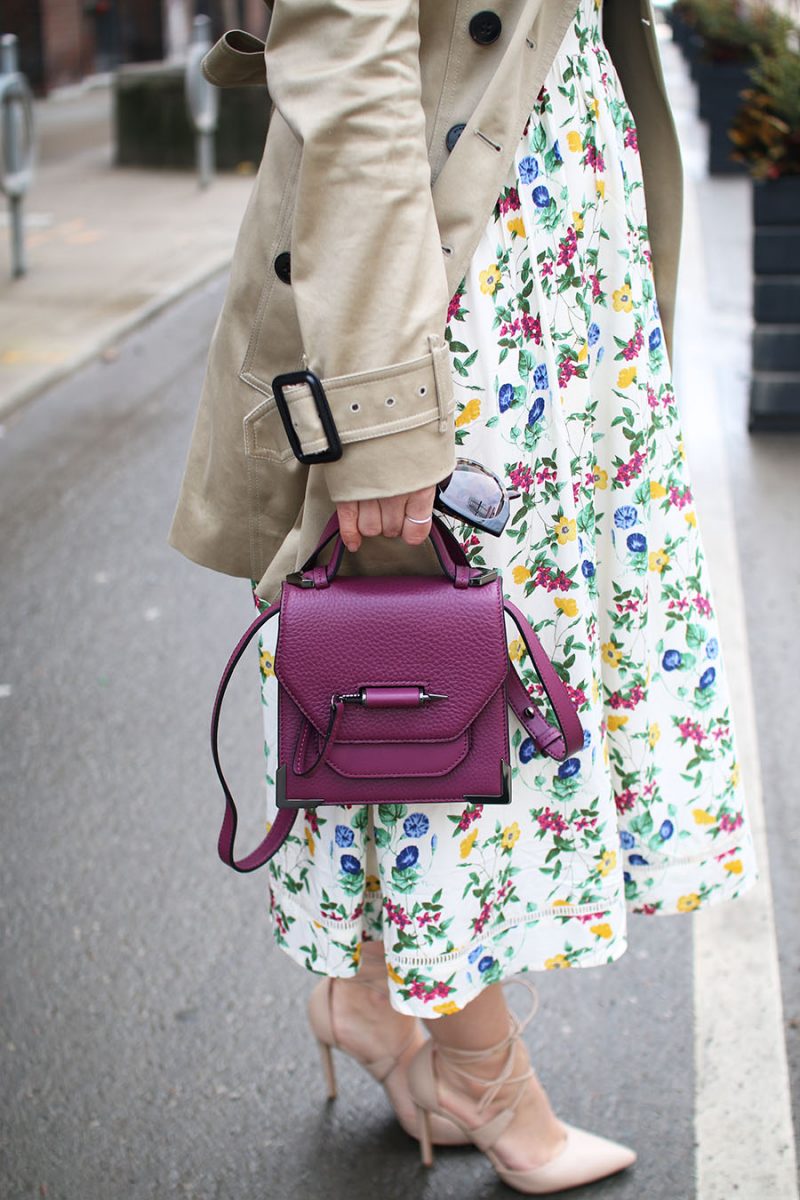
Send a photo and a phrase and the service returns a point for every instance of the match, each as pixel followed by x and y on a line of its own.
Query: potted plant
pixel 726 37
pixel 766 139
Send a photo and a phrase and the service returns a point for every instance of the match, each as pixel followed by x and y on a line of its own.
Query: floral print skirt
pixel 564 391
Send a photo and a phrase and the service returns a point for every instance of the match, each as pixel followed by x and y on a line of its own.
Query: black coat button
pixel 484 28
pixel 283 266
pixel 453 134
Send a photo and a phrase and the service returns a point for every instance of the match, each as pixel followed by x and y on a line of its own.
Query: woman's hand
pixel 387 515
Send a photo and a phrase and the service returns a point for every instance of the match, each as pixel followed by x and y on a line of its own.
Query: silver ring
pixel 417 521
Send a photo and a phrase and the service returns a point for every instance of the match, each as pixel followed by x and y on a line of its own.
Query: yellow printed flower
pixel 357 954
pixel 603 931
pixel 595 106
pixel 372 883
pixel 318 924
pixel 622 300
pixel 691 519
pixel 607 862
pixel 566 530
pixel 310 841
pixel 611 654
pixel 470 412
pixel 510 836
pixel 520 574
pixel 681 448
pixel 559 903
pixel 600 185
pixel 516 649
pixel 516 225
pixel 600 478
pixel 490 279
pixel 595 690
pixel 566 605
pixel 447 1009
pixel 653 734
pixel 657 560
pixel 574 141
pixel 577 222
pixel 703 817
pixel 657 490
pixel 556 963
pixel 689 902
pixel 583 352
pixel 736 774
pixel 734 866
pixel 467 843
pixel 616 721
pixel 266 664
pixel 626 377
pixel 390 971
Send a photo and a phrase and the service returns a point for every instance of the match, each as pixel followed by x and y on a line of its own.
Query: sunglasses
pixel 476 496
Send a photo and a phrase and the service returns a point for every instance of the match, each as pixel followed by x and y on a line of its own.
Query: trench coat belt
pixel 236 60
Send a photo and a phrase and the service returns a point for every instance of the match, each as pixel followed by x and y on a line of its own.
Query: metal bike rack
pixel 202 100
pixel 16 145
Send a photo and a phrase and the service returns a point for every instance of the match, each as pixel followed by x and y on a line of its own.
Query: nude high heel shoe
pixel 583 1158
pixel 441 1130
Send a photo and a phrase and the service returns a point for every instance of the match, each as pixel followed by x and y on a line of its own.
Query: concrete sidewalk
pixel 106 247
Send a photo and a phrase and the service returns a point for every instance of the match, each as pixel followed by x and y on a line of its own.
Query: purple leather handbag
pixel 396 688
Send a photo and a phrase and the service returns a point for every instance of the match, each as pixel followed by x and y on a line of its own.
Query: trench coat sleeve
pixel 367 266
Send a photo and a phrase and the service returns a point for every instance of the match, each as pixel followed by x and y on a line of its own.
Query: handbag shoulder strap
pixel 282 825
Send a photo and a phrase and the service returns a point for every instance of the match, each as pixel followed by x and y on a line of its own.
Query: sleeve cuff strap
pixel 373 404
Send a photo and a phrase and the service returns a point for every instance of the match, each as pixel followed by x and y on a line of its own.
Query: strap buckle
pixel 334 448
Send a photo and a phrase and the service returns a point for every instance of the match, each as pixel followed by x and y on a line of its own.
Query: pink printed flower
pixel 551 820
pixel 454 306
pixel 728 823
pixel 468 816
pixel 625 800
pixel 483 917
pixel 576 695
pixel 594 158
pixel 547 267
pixel 566 370
pixel 510 202
pixel 396 914
pixel 652 399
pixel 510 330
pixel 692 731
pixel 521 477
pixel 630 138
pixel 546 474
pixel 629 470
pixel 631 350
pixel 596 290
pixel 567 247
pixel 680 499
pixel 532 328
pixel 702 605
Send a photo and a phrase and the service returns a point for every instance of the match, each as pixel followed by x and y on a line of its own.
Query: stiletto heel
pixel 425 1140
pixel 582 1158
pixel 328 1070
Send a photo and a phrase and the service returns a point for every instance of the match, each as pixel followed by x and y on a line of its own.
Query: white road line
pixel 743 1119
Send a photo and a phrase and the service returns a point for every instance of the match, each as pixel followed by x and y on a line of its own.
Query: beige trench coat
pixel 360 227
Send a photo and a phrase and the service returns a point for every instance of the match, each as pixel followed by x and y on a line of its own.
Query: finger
pixel 347 511
pixel 369 518
pixel 419 506
pixel 392 514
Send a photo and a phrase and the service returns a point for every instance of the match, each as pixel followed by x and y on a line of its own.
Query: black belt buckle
pixel 334 450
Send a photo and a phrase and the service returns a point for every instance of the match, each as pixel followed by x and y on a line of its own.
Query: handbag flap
pixel 399 630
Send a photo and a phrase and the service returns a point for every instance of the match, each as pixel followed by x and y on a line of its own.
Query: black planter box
pixel 152 126
pixel 719 89
pixel 775 386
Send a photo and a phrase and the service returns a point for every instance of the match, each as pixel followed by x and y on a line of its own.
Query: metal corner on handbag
pixel 282 800
pixel 505 784
pixel 487 576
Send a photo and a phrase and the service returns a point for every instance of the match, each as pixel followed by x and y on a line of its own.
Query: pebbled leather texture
pixel 388 640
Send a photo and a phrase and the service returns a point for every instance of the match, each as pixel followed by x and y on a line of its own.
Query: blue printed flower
pixel 485 963
pixel 473 954
pixel 569 768
pixel 707 678
pixel 667 829
pixel 527 750
pixel 406 858
pixel 434 843
pixel 587 569
pixel 626 840
pixel 636 860
pixel 654 341
pixel 601 353
pixel 625 516
pixel 672 660
pixel 416 825
pixel 536 410
pixel 587 738
pixel 528 169
pixel 626 875
pixel 637 543
pixel 593 333
pixel 541 196
pixel 540 378
pixel 557 151
pixel 712 648
pixel 505 397
pixel 344 835
pixel 349 864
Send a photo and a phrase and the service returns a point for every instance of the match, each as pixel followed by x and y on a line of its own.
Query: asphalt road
pixel 153 1040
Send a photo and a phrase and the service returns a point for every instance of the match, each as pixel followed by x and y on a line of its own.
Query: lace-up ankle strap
pixel 455 1056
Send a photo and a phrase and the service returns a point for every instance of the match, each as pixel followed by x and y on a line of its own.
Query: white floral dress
pixel 565 392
